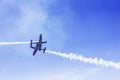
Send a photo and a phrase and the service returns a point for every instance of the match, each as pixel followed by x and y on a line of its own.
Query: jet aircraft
pixel 38 45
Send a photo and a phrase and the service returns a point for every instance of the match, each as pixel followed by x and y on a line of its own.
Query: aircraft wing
pixel 40 38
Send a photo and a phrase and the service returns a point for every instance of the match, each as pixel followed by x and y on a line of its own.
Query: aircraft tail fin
pixel 44 50
pixel 30 43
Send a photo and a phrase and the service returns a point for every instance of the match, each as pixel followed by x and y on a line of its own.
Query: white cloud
pixel 33 18
pixel 50 75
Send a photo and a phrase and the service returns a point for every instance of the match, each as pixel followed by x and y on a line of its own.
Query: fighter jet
pixel 38 45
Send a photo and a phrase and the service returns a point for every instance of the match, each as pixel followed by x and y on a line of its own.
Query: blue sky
pixel 90 28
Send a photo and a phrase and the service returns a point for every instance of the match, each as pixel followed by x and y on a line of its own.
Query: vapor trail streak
pixel 13 43
pixel 81 58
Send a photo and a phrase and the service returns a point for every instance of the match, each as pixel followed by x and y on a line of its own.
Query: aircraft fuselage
pixel 38 45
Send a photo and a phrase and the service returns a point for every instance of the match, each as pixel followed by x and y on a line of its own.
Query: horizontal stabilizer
pixel 44 42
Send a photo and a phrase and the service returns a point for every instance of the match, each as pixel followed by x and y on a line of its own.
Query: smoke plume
pixel 81 58
pixel 73 56
pixel 15 43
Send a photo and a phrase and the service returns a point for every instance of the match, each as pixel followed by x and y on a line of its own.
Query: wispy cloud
pixel 28 19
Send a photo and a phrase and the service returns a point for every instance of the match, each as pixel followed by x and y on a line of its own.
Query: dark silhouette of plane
pixel 38 45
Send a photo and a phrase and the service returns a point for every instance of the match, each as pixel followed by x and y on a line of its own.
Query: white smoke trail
pixel 13 43
pixel 81 58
